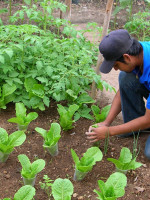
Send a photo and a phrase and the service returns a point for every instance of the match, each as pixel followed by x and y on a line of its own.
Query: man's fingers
pixel 90 133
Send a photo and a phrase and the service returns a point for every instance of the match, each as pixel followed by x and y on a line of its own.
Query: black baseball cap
pixel 113 46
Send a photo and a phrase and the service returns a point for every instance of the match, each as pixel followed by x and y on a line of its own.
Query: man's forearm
pixel 115 108
pixel 132 126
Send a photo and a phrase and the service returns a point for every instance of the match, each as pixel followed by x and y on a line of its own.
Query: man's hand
pixel 96 134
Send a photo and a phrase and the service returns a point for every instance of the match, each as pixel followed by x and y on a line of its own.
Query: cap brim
pixel 106 66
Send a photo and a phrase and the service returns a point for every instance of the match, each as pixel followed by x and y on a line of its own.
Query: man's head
pixel 113 47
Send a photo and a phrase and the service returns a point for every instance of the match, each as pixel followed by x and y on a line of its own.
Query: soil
pixel 62 165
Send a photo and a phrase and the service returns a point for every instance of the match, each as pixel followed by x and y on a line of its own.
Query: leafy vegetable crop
pixel 66 115
pixel 52 136
pixel 8 142
pixel 113 188
pixel 100 115
pixel 26 192
pixel 21 117
pixel 62 189
pixel 125 161
pixel 89 159
pixel 30 170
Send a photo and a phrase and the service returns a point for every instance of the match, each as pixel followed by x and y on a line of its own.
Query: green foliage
pixel 26 192
pixel 8 142
pixel 28 60
pixel 113 188
pixel 6 94
pixel 100 115
pixel 66 115
pixel 29 170
pixel 62 189
pixel 139 26
pixel 21 117
pixel 52 136
pixel 89 159
pixel 46 185
pixel 125 161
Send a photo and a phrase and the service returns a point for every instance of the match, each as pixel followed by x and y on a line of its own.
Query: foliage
pixel 113 188
pixel 29 170
pixel 46 185
pixel 21 117
pixel 52 136
pixel 6 94
pixel 8 142
pixel 125 161
pixel 100 115
pixel 89 159
pixel 62 189
pixel 26 192
pixel 39 78
pixel 139 26
pixel 66 115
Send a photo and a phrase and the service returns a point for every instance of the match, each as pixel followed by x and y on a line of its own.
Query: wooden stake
pixel 67 15
pixel 105 30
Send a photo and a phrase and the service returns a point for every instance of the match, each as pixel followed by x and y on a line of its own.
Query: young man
pixel 132 58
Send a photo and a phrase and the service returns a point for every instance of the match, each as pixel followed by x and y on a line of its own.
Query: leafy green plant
pixel 23 119
pixel 46 185
pixel 113 188
pixel 51 137
pixel 100 115
pixel 62 189
pixel 6 94
pixel 139 26
pixel 30 170
pixel 9 142
pixel 89 159
pixel 66 115
pixel 125 161
pixel 26 192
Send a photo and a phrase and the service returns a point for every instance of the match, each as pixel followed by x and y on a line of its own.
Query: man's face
pixel 126 67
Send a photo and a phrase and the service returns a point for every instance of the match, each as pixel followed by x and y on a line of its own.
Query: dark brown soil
pixel 62 166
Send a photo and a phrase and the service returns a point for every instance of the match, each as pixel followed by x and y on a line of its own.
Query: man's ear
pixel 127 57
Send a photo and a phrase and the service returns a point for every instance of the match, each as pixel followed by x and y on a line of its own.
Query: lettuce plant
pixel 23 119
pixel 8 142
pixel 113 188
pixel 51 137
pixel 100 115
pixel 26 192
pixel 30 170
pixel 62 189
pixel 6 94
pixel 89 159
pixel 125 161
pixel 66 116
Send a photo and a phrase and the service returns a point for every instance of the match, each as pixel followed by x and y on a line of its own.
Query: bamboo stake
pixel 68 10
pixel 105 30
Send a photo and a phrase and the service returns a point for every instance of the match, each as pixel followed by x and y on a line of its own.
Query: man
pixel 132 58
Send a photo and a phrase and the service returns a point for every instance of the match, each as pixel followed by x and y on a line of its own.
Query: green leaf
pixel 2 60
pixel 53 135
pixel 31 116
pixel 26 192
pixel 16 138
pixel 9 52
pixel 37 166
pixel 85 98
pixel 62 189
pixel 20 110
pixel 29 82
pixel 8 89
pixel 3 136
pixel 42 132
pixel 25 163
pixel 75 157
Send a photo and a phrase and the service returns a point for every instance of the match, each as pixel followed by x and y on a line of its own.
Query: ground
pixel 62 165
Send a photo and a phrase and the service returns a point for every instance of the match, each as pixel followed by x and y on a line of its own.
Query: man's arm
pixel 137 124
pixel 115 109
